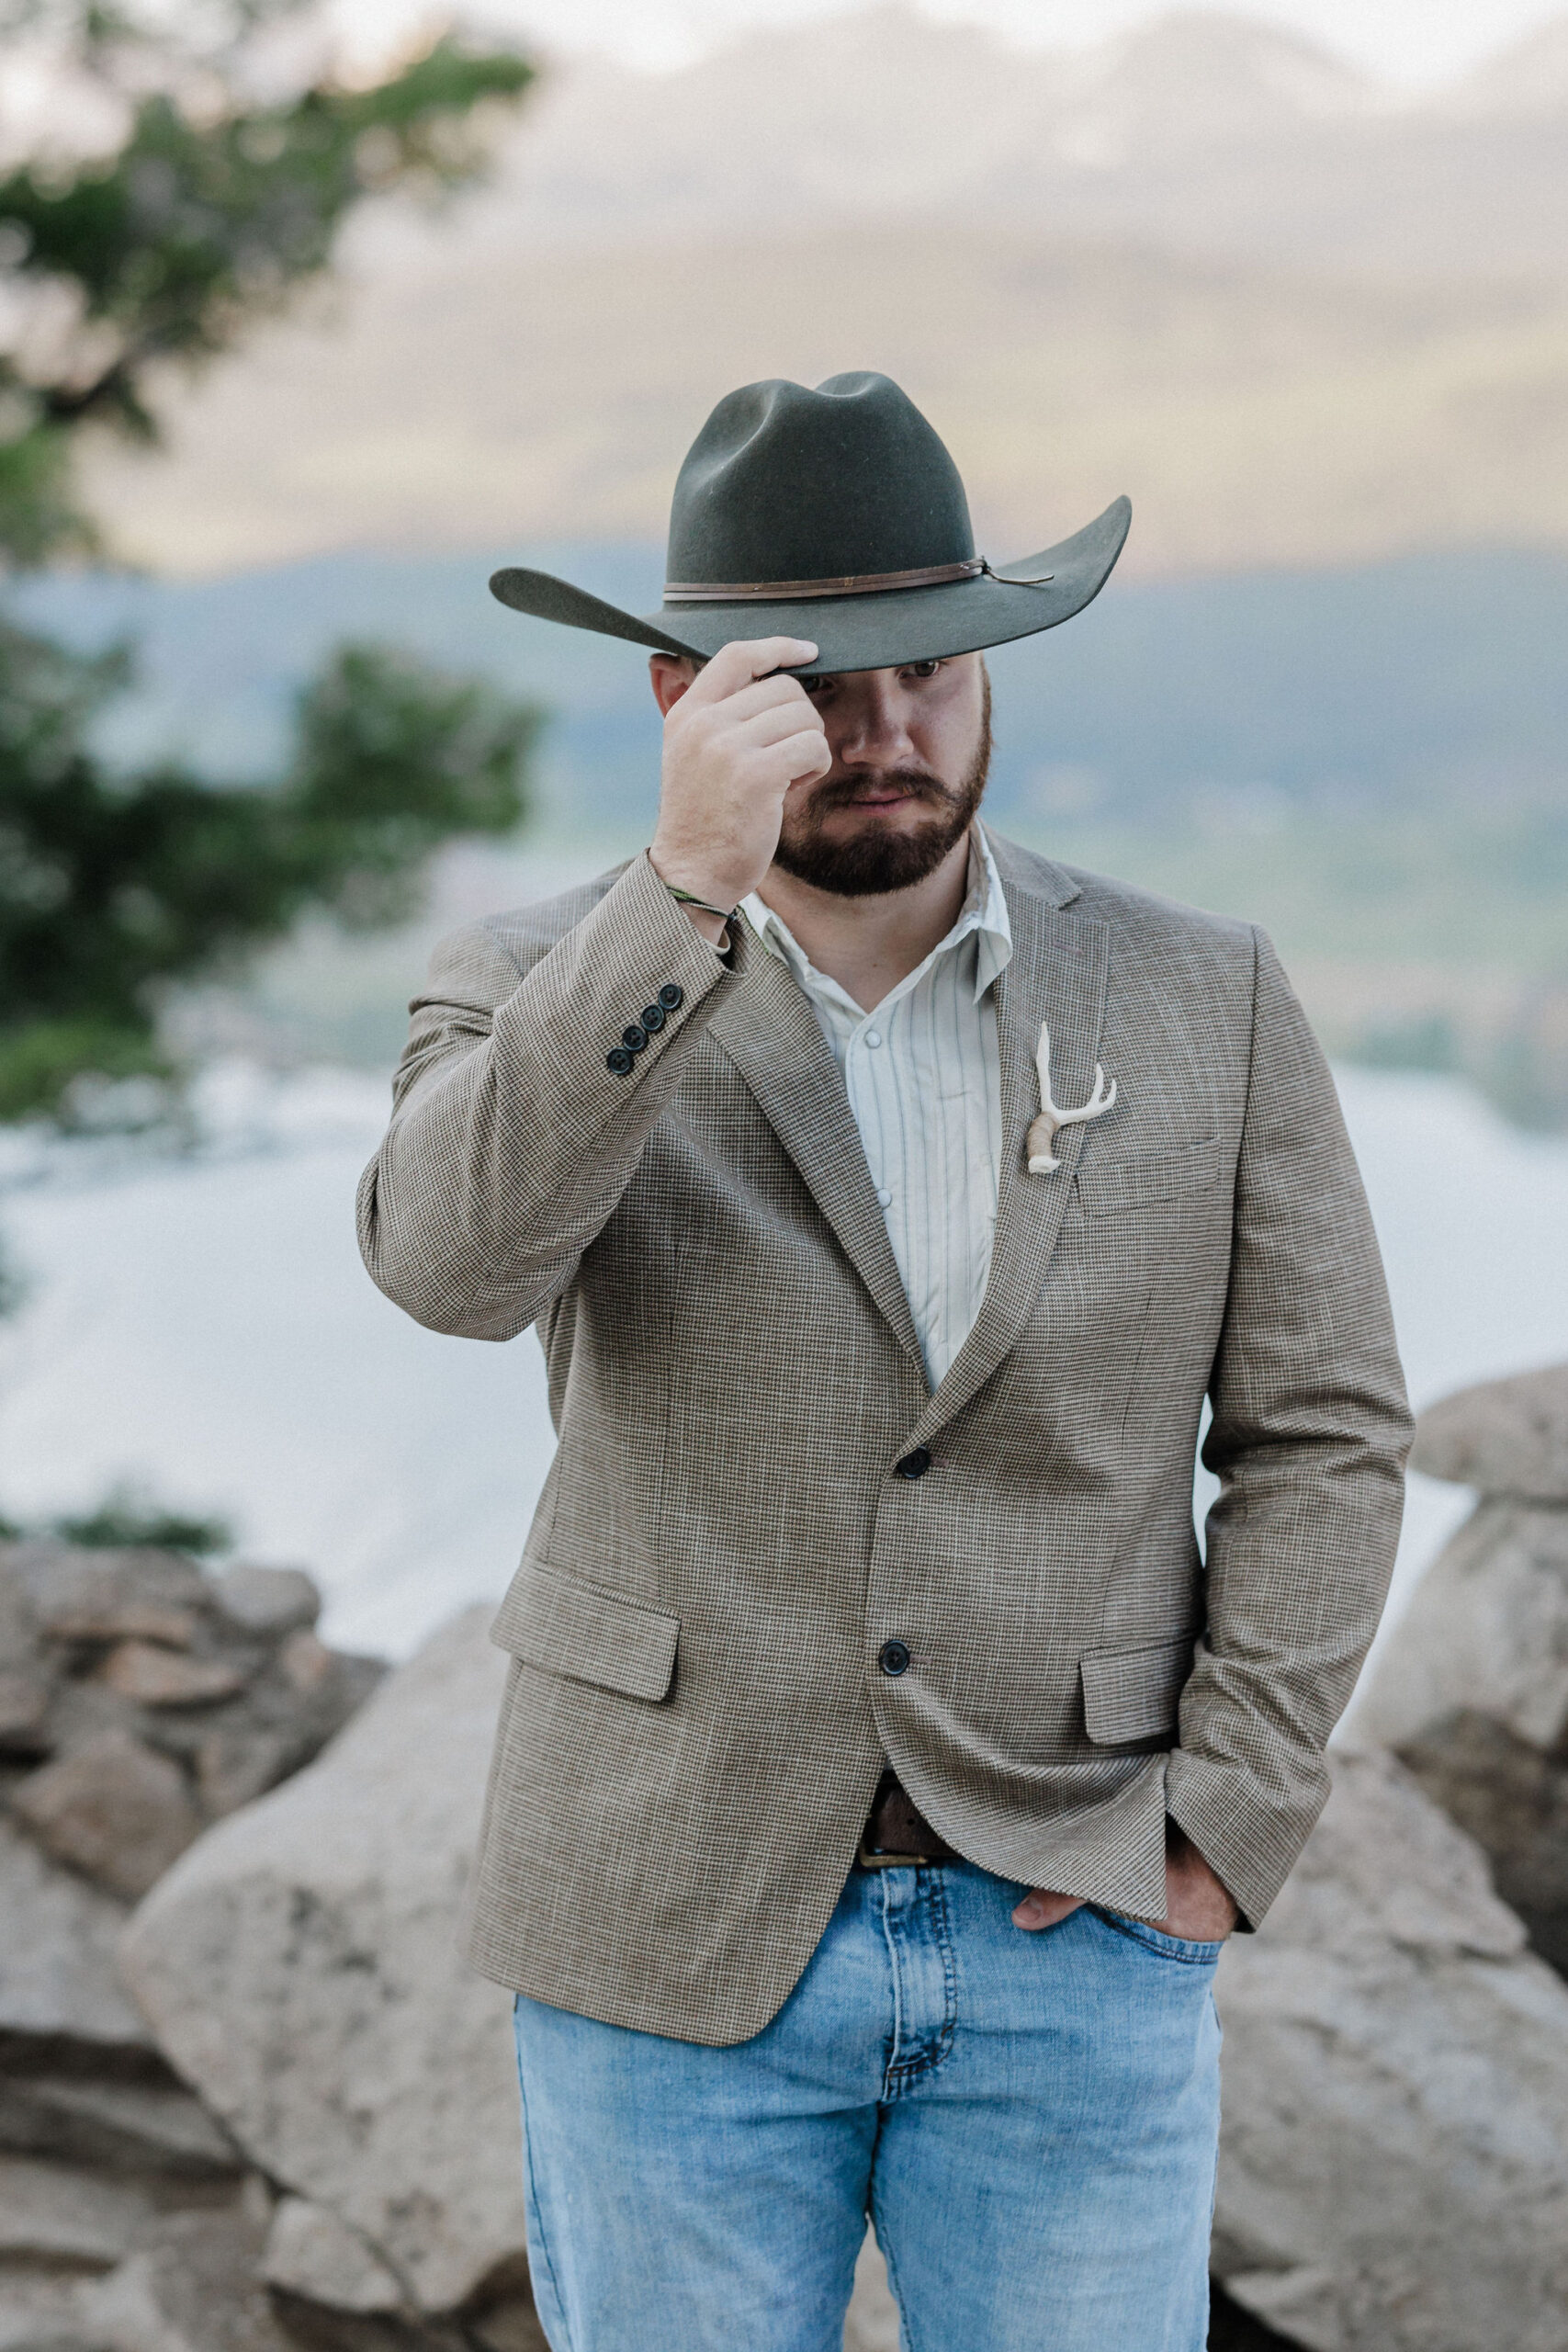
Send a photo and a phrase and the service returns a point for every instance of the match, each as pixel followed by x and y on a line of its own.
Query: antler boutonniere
pixel 1043 1132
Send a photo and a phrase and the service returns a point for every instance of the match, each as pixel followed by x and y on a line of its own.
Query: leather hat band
pixel 860 583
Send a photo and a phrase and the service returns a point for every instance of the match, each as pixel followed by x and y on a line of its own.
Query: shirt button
pixel 671 997
pixel 874 1036
pixel 893 1657
pixel 915 1465
pixel 885 1196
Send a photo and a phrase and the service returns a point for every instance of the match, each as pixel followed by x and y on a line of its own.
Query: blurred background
pixel 308 318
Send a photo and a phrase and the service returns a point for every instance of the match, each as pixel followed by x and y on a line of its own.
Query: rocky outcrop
pixel 1472 1687
pixel 373 2079
pixel 1393 2172
pixel 140 1699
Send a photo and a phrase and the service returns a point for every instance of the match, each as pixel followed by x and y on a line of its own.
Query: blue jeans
pixel 1029 2119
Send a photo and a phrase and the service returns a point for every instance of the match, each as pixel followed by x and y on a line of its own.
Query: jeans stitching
pixel 534 2197
pixel 1200 1952
pixel 891 2066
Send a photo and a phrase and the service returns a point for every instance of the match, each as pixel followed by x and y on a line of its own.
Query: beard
pixel 875 859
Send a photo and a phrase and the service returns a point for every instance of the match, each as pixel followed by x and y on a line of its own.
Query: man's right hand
pixel 735 740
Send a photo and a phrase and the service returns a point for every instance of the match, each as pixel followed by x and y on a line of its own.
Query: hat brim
pixel 876 631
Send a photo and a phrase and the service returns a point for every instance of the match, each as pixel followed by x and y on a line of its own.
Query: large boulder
pixel 300 1966
pixel 61 1997
pixel 1393 2172
pixel 1502 1437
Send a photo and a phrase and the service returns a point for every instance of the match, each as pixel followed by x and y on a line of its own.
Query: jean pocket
pixel 1188 1948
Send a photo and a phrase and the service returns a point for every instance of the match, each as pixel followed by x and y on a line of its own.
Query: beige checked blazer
pixel 696 1718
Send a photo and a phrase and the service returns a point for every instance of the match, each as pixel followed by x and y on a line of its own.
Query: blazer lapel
pixel 770 1032
pixel 1058 974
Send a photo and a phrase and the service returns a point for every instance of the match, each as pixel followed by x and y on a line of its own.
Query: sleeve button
pixel 671 997
pixel 618 1060
pixel 633 1038
pixel 652 1018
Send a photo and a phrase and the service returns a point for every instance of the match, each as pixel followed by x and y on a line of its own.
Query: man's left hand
pixel 1197 1907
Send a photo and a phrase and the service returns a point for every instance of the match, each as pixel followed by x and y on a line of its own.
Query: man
pixel 881 1769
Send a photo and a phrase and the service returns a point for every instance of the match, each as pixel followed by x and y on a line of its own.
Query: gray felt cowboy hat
pixel 837 515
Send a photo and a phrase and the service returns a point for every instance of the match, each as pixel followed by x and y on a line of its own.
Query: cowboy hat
pixel 839 517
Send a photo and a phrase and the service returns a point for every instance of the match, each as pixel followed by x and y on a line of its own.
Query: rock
pixel 1513 1800
pixel 191 2287
pixel 873 2321
pixel 374 2073
pixel 81 1594
pixel 306 1662
pixel 24 1710
pixel 59 2215
pixel 1393 2166
pixel 61 1994
pixel 148 2128
pixel 1505 1437
pixel 160 1677
pixel 267 1600
pixel 311 2252
pixel 114 1810
pixel 1485 1632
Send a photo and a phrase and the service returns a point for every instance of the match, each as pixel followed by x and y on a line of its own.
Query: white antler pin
pixel 1043 1132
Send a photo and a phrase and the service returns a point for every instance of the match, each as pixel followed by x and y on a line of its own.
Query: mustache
pixel 846 792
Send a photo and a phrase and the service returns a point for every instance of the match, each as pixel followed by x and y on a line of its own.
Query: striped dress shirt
pixel 923 1075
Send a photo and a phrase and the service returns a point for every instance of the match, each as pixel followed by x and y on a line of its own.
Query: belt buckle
pixel 873 1858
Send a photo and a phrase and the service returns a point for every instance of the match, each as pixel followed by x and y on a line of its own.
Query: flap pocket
pixel 1133 1694
pixel 1108 1183
pixel 568 1627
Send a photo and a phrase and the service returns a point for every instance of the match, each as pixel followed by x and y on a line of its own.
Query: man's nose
pixel 874 729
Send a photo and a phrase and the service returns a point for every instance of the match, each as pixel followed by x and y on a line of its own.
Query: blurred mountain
pixel 1208 265
pixel 1205 131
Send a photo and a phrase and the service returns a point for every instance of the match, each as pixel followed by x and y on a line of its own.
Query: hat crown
pixel 785 483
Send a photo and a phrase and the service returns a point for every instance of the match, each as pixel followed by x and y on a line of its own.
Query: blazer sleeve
pixel 1308 1439
pixel 512 1140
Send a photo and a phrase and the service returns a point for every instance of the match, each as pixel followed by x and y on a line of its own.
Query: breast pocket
pixel 1134 1694
pixel 1141 1179
pixel 565 1626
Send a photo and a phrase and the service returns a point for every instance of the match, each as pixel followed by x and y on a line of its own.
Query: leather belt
pixel 896 1834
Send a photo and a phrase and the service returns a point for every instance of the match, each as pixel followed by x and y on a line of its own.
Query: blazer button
pixel 915 1465
pixel 618 1060
pixel 634 1039
pixel 671 997
pixel 893 1657
pixel 652 1018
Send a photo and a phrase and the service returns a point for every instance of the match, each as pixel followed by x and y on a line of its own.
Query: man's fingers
pixel 1044 1908
pixel 744 660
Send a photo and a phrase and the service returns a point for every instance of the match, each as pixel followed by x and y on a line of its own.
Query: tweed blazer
pixel 695 1717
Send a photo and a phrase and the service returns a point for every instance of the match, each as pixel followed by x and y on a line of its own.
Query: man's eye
pixel 924 669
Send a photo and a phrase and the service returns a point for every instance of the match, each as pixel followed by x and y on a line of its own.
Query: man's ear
pixel 670 675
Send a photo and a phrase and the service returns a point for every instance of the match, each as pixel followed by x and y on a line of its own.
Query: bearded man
pixel 882 1766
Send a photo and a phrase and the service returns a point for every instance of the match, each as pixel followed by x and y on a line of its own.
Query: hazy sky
pixel 1413 42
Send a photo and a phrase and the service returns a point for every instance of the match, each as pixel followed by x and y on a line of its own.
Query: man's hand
pixel 1197 1907
pixel 734 742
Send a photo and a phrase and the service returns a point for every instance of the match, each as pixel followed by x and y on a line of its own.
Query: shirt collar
pixel 983 917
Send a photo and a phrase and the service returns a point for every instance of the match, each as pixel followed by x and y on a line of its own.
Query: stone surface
pixel 1485 1632
pixel 58 2214
pixel 310 2251
pixel 1505 1437
pixel 61 1992
pixel 873 2321
pixel 24 1710
pixel 267 1600
pixel 192 2286
pixel 374 2074
pixel 144 2128
pixel 161 1678
pixel 1513 1800
pixel 1394 2169
pixel 114 1810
